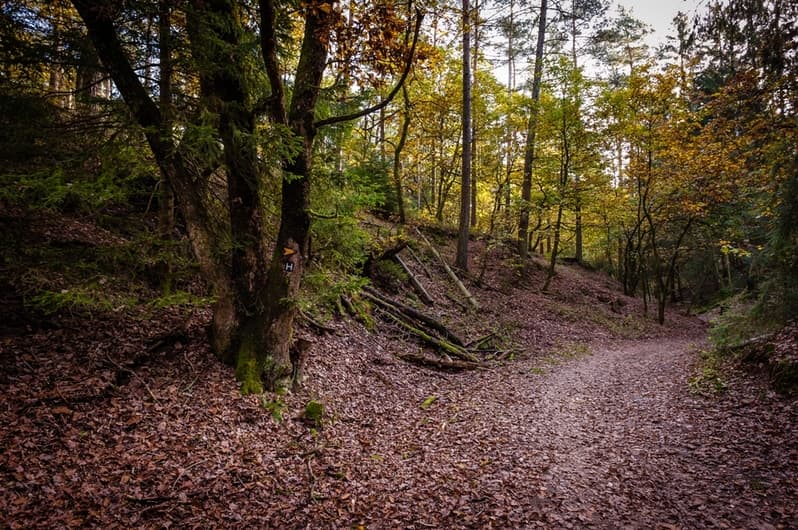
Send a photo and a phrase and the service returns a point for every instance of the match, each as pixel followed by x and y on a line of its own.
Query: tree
pixel 397 157
pixel 532 123
pixel 574 149
pixel 461 260
pixel 746 87
pixel 258 130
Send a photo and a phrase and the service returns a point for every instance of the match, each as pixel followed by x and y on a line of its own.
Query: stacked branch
pixel 417 286
pixel 472 302
pixel 451 348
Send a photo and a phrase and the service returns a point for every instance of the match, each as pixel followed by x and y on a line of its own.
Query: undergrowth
pixel 709 380
pixel 742 333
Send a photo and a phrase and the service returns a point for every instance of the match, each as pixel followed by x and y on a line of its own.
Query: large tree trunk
pixel 215 31
pixel 275 333
pixel 186 177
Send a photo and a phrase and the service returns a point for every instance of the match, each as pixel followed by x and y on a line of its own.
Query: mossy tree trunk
pixel 255 295
pixel 287 262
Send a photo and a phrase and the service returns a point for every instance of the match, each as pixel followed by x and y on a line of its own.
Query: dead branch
pixel 477 343
pixel 471 300
pixel 441 344
pixel 443 364
pixel 418 260
pixel 422 293
pixel 413 314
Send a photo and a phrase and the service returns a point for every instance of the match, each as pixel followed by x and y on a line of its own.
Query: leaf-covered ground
pixel 597 419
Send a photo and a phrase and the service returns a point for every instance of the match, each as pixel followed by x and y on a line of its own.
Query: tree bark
pixel 166 202
pixel 186 175
pixel 532 124
pixel 461 260
pixel 579 252
pixel 474 153
pixel 272 358
pixel 555 248
pixel 397 160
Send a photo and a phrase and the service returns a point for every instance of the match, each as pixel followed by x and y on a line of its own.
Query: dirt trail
pixel 626 445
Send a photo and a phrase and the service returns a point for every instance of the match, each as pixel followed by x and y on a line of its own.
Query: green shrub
pixel 314 413
pixel 83 299
pixel 389 274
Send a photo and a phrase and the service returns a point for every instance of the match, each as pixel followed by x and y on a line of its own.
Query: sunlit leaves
pixel 370 45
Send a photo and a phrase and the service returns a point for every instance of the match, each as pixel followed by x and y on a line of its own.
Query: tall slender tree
pixel 532 125
pixel 465 174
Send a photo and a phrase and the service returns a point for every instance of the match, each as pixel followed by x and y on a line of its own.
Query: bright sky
pixel 659 14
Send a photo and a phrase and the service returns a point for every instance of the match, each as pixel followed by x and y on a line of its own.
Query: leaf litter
pixel 99 429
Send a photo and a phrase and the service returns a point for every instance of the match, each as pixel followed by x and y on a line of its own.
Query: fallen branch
pixel 442 344
pixel 413 314
pixel 753 342
pixel 425 297
pixel 360 316
pixel 439 363
pixel 475 344
pixel 471 300
pixel 421 263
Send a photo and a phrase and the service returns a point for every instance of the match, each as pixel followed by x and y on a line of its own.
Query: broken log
pixel 439 363
pixel 471 300
pixel 422 293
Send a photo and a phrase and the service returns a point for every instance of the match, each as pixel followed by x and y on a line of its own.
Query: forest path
pixel 610 438
pixel 625 444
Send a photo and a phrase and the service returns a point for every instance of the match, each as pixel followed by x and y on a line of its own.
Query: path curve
pixel 625 444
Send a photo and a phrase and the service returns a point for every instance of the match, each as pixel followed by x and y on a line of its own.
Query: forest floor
pixel 600 418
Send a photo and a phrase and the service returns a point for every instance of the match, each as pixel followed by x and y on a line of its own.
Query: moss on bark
pixel 248 369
